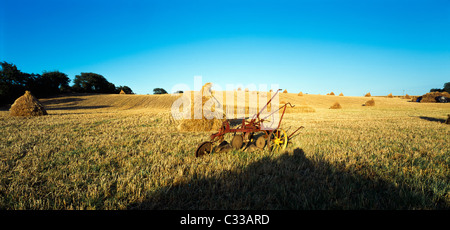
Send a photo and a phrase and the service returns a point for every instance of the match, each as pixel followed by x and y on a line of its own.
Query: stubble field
pixel 125 152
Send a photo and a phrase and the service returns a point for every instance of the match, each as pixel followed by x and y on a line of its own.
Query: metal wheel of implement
pixel 237 142
pixel 278 140
pixel 203 148
pixel 261 142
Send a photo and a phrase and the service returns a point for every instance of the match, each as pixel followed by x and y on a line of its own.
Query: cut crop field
pixel 126 152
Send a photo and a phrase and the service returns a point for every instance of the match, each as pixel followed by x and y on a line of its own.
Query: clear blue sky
pixel 313 46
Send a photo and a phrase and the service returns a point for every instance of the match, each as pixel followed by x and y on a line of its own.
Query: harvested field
pixel 125 152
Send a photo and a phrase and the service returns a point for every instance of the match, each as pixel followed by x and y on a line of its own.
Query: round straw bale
pixel 336 105
pixel 370 102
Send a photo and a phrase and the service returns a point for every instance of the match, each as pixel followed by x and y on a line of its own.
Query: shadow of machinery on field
pixel 290 181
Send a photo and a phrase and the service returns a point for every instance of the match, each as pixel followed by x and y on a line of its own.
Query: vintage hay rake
pixel 249 132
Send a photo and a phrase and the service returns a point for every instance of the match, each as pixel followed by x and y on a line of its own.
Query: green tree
pixel 447 87
pixel 13 83
pixel 55 81
pixel 159 91
pixel 48 84
pixel 92 83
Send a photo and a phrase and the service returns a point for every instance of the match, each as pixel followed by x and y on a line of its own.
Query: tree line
pixel 14 82
pixel 445 89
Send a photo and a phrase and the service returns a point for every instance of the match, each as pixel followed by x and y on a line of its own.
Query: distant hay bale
pixel 370 102
pixel 390 95
pixel 368 95
pixel 122 92
pixel 27 105
pixel 341 94
pixel 407 96
pixel 336 105
pixel 332 94
pixel 285 91
pixel 300 94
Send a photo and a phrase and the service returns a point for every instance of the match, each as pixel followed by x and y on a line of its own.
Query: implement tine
pixel 289 137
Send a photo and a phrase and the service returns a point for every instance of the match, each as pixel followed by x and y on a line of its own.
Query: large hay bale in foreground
pixel 336 105
pixel 203 123
pixel 27 105
pixel 200 125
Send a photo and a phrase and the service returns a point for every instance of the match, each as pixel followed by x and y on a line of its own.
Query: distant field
pixel 125 152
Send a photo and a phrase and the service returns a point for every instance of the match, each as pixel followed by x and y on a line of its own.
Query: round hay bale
pixel 300 94
pixel 332 94
pixel 341 94
pixel 285 91
pixel 27 105
pixel 390 95
pixel 368 95
pixel 122 92
pixel 336 105
pixel 370 102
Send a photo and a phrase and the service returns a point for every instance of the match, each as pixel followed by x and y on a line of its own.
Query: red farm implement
pixel 249 132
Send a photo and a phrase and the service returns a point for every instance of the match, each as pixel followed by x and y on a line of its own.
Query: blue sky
pixel 314 46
